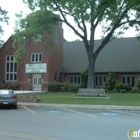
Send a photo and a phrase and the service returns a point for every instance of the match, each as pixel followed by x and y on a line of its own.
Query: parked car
pixel 8 98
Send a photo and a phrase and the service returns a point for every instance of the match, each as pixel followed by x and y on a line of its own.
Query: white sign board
pixel 36 68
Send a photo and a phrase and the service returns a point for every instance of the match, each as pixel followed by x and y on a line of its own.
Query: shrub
pixel 54 87
pixel 74 87
pixel 65 86
pixel 111 82
pixel 138 83
pixel 114 91
pixel 118 86
pixel 84 78
pixel 127 87
pixel 135 90
pixel 122 91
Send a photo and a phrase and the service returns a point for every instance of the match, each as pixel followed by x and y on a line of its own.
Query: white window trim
pixel 130 78
pixel 98 80
pixel 73 79
pixel 14 72
pixel 35 57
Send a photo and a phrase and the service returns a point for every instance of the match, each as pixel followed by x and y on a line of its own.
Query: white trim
pixel 36 55
pixel 11 74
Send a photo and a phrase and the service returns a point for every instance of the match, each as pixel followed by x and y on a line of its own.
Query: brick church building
pixel 38 67
pixel 65 61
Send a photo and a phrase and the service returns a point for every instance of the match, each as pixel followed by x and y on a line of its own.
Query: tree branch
pixel 107 38
pixel 65 21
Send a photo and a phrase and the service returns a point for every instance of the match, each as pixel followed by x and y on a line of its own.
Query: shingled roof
pixel 119 55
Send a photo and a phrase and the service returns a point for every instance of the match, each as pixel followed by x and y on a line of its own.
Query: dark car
pixel 8 98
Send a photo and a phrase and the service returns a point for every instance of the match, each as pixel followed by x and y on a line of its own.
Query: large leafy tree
pixel 35 26
pixel 3 18
pixel 114 16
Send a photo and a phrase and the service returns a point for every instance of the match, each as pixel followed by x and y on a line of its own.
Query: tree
pixel 3 18
pixel 35 26
pixel 114 16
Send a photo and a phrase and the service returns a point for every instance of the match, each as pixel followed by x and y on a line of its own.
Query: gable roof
pixel 119 55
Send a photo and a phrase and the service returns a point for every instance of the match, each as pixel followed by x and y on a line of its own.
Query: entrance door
pixel 37 82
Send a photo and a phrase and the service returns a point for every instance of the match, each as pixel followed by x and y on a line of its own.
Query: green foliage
pixel 3 18
pixel 120 87
pixel 84 78
pixel 54 87
pixel 36 26
pixel 111 82
pixel 114 16
pixel 63 87
pixel 112 85
pixel 135 90
pixel 138 83
pixel 74 87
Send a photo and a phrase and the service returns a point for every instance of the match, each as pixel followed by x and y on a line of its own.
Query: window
pixel 130 79
pixel 96 81
pixel 37 38
pixel 124 79
pixel 36 57
pixel 56 36
pixel 133 80
pixel 99 80
pixel 104 78
pixel 11 69
pixel 75 79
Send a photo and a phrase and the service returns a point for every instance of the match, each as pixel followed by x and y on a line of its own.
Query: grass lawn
pixel 126 99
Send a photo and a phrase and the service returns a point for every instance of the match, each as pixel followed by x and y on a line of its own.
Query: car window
pixel 6 92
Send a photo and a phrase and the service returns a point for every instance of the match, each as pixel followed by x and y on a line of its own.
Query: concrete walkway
pixel 100 107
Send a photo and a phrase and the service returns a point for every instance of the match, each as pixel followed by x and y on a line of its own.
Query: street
pixel 47 123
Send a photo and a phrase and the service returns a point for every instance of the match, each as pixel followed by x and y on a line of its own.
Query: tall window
pixel 99 80
pixel 36 57
pixel 11 68
pixel 56 35
pixel 75 79
pixel 130 79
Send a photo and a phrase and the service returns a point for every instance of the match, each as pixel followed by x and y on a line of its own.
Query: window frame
pixel 10 69
pixel 56 35
pixel 36 57
pixel 130 81
pixel 75 79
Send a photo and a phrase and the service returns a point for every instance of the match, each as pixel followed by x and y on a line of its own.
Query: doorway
pixel 37 82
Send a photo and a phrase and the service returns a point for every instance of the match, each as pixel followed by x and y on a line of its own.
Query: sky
pixel 15 6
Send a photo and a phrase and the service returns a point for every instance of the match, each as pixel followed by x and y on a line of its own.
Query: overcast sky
pixel 15 6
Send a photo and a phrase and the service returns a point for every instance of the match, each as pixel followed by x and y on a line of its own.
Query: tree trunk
pixel 91 70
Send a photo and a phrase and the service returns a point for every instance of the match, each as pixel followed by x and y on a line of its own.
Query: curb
pixel 100 107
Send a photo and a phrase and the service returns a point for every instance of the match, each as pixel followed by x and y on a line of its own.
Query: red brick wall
pixel 53 59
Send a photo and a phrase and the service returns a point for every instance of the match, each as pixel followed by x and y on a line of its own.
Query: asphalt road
pixel 66 124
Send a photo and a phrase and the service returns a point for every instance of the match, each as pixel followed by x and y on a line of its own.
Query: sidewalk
pixel 100 107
